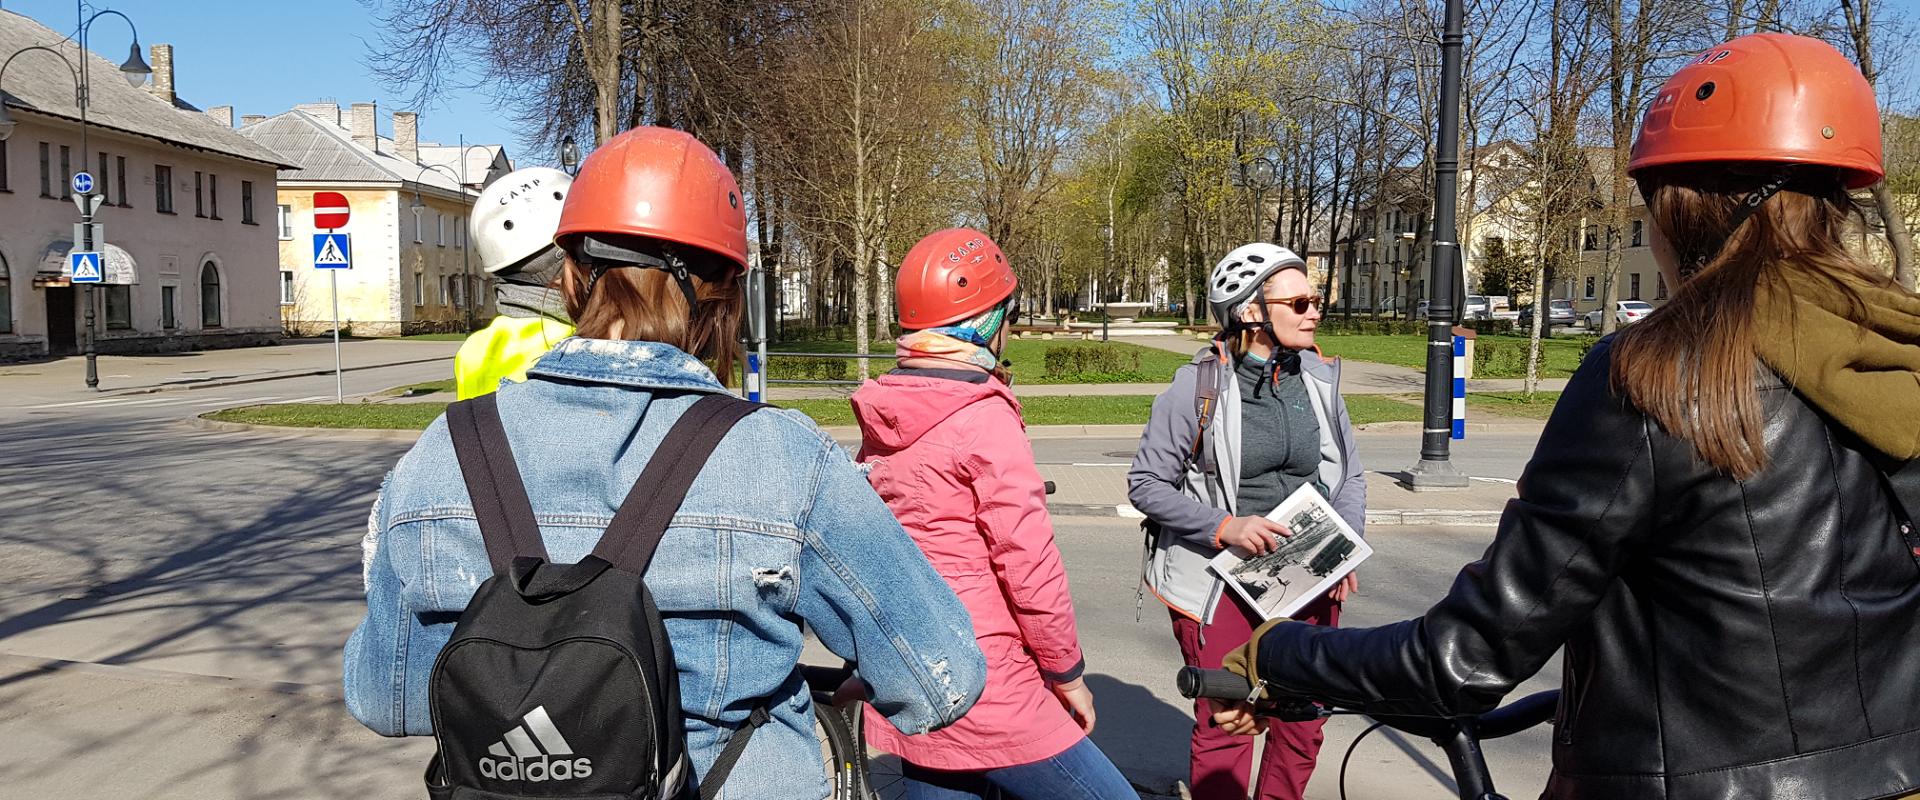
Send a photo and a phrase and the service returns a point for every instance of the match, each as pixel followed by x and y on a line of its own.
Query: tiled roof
pixel 37 82
pixel 325 152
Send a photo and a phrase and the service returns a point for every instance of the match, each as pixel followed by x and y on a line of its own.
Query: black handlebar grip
pixel 1213 684
pixel 1049 487
pixel 1518 715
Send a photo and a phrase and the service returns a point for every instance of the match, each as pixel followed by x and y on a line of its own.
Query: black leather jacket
pixel 1724 639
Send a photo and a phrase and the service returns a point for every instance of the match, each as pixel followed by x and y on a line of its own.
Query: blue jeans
pixel 1080 773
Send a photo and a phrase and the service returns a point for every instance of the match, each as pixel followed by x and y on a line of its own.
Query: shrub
pixel 1490 326
pixel 1074 360
pixel 1493 359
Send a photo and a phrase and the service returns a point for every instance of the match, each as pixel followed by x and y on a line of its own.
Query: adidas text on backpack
pixel 559 680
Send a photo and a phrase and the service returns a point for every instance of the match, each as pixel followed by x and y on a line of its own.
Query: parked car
pixel 1625 312
pixel 1560 314
pixel 1479 306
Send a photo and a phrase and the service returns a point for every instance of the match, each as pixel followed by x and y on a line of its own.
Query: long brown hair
pixel 647 305
pixel 1691 366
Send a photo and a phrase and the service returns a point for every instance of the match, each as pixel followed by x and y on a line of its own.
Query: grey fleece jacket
pixel 1187 507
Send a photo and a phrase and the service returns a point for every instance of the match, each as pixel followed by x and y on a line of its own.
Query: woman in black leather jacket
pixel 1708 525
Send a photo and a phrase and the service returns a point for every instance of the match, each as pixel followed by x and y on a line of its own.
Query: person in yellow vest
pixel 512 230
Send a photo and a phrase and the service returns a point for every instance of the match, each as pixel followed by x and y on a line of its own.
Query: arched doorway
pixel 209 295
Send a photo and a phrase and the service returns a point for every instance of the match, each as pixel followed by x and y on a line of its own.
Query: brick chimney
pixel 249 119
pixel 406 135
pixel 363 125
pixel 222 115
pixel 161 56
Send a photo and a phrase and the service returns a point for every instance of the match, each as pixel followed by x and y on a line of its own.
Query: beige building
pixel 188 212
pixel 413 271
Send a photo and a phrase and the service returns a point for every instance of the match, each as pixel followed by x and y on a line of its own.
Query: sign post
pixel 333 252
pixel 89 204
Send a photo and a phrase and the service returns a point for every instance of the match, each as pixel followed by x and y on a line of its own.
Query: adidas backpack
pixel 559 680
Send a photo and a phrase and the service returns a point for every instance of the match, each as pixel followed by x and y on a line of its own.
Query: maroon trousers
pixel 1223 762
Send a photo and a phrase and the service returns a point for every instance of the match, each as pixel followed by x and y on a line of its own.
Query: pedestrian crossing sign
pixel 85 266
pixel 331 251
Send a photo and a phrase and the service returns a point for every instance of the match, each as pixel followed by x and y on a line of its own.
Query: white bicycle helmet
pixel 1238 276
pixel 515 217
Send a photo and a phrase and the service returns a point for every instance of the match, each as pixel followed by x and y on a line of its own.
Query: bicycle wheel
pixel 841 755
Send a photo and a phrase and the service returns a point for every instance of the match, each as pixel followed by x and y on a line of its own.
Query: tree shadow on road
pixel 150 545
pixel 1146 737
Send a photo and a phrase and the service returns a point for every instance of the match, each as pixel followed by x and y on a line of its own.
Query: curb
pixel 215 383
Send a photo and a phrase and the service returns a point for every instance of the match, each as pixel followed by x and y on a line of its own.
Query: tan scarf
pixel 1864 374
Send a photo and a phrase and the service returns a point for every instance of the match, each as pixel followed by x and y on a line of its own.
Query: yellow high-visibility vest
pixel 503 351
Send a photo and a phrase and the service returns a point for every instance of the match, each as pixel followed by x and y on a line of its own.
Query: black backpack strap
pixel 736 744
pixel 1206 403
pixel 641 522
pixel 499 498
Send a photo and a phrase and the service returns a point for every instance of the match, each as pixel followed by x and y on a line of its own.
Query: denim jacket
pixel 780 529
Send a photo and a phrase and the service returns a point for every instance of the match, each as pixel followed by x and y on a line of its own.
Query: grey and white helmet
pixel 1238 276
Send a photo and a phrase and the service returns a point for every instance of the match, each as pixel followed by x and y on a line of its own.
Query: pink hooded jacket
pixel 951 459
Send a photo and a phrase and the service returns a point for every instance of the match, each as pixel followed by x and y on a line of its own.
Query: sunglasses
pixel 1298 304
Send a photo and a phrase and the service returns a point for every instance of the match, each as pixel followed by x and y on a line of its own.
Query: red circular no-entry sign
pixel 330 210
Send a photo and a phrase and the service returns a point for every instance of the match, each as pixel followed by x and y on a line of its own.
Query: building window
pixel 3 166
pixel 419 289
pixel 1589 294
pixel 416 227
pixel 66 171
pixel 286 287
pixel 169 317
pixel 6 298
pixel 106 186
pixel 213 196
pixel 209 296
pixel 163 189
pixel 46 175
pixel 246 203
pixel 200 208
pixel 286 223
pixel 439 229
pixel 460 232
pixel 1593 238
pixel 442 285
pixel 1660 286
pixel 120 175
pixel 119 307
pixel 1639 233
pixel 1633 283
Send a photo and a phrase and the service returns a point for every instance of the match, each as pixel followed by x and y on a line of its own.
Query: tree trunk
pixel 1860 26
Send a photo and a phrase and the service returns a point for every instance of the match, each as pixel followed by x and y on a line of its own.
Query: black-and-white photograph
pixel 1302 566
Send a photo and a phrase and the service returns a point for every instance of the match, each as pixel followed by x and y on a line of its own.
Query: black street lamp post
pixel 1435 469
pixel 466 262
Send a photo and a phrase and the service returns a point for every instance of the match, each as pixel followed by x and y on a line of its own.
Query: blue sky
pixel 264 56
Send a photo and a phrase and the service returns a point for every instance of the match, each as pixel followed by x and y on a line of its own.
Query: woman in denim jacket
pixel 779 529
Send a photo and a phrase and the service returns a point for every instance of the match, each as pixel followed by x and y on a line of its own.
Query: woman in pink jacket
pixel 949 454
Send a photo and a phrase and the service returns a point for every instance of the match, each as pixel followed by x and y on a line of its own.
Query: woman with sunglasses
pixel 1256 416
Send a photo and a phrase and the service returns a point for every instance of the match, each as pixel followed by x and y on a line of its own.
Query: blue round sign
pixel 83 183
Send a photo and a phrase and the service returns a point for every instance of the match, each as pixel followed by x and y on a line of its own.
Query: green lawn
pixel 1559 356
pixel 1029 358
pixel 385 416
pixel 1045 410
pixel 1512 404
